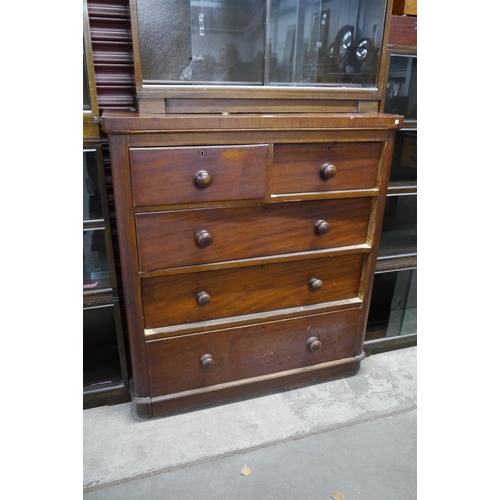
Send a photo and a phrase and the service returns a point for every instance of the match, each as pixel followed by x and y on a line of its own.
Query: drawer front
pixel 190 237
pixel 193 297
pixel 176 365
pixel 163 176
pixel 324 167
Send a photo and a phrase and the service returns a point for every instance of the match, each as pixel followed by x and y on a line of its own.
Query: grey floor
pixel 355 437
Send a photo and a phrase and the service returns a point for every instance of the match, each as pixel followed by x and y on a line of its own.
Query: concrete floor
pixel 356 436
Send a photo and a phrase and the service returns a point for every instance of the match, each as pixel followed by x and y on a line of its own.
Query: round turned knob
pixel 204 299
pixel 207 362
pixel 313 344
pixel 328 171
pixel 322 227
pixel 204 239
pixel 315 284
pixel 203 179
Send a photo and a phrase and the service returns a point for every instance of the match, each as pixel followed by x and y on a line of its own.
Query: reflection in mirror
pixel 260 42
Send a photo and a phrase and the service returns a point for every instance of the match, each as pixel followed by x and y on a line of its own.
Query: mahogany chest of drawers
pixel 248 245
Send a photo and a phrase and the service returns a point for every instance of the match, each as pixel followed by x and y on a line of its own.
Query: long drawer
pixel 202 296
pixel 198 174
pixel 299 168
pixel 201 360
pixel 190 237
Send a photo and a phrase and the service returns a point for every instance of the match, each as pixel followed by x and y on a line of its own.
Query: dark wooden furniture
pixel 105 372
pixel 248 245
pixel 392 320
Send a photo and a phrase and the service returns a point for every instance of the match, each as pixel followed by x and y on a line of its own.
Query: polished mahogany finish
pixel 227 355
pixel 176 299
pixel 195 174
pixel 403 32
pixel 248 245
pixel 190 237
pixel 327 167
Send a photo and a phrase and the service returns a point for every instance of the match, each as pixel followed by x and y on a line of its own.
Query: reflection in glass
pixel 403 319
pixel 101 357
pixel 404 159
pixel 399 228
pixel 92 203
pixel 401 94
pixel 95 261
pixel 259 42
pixel 393 307
pixel 86 84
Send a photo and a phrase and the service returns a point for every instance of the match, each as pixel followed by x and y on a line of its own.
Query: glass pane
pixel 399 229
pixel 261 42
pixel 92 203
pixel 403 317
pixel 332 43
pixel 404 159
pixel 101 357
pixel 393 308
pixel 401 94
pixel 409 324
pixel 86 84
pixel 95 261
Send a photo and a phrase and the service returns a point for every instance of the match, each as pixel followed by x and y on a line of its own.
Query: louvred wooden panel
pixel 111 36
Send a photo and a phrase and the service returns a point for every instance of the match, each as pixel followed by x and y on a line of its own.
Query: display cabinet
pixel 392 321
pixel 260 55
pixel 105 372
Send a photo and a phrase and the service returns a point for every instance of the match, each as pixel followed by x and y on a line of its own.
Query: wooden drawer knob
pixel 207 362
pixel 204 299
pixel 328 171
pixel 203 179
pixel 322 227
pixel 204 239
pixel 315 284
pixel 313 344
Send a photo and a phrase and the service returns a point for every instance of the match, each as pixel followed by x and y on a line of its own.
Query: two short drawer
pixel 201 360
pixel 203 174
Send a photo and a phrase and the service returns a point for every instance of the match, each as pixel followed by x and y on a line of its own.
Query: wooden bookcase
pixel 392 321
pixel 105 369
